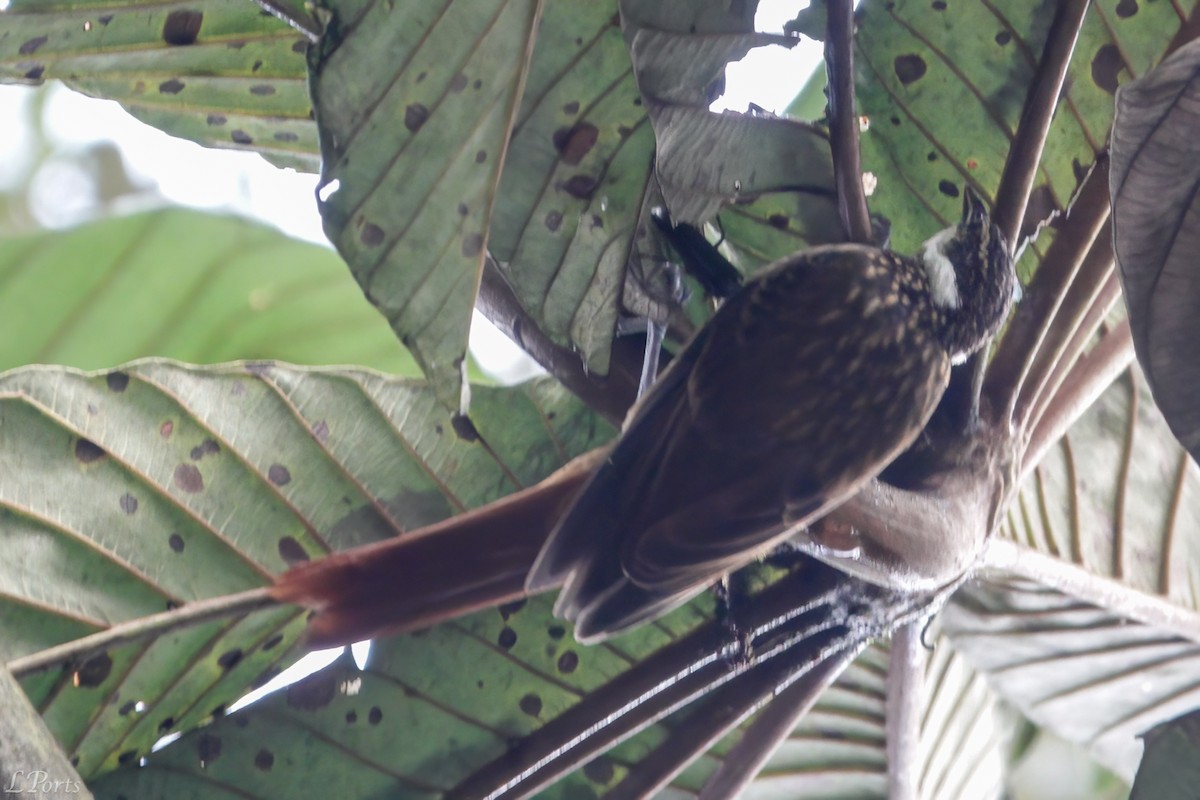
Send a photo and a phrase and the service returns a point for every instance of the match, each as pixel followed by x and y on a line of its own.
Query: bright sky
pixel 244 183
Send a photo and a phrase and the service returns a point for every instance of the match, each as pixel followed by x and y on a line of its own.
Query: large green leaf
pixel 126 493
pixel 223 73
pixel 188 285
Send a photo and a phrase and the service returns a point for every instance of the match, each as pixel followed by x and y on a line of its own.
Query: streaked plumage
pixel 802 387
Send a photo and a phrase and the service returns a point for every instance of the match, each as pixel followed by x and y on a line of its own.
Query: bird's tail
pixel 468 562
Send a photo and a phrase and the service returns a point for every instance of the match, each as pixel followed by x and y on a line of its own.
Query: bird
pixel 804 385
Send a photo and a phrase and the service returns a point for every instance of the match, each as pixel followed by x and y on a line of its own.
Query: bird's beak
pixel 974 209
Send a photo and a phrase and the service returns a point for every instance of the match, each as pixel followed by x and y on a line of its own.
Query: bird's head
pixel 971 278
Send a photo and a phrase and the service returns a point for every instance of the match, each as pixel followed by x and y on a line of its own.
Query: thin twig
pixel 310 26
pixel 1018 560
pixel 843 122
pixel 1087 380
pixel 196 613
pixel 905 704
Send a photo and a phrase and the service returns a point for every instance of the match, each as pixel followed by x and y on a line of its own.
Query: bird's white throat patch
pixel 943 281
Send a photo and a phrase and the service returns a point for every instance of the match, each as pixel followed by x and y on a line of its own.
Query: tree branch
pixel 195 613
pixel 1025 154
pixel 843 122
pixel 905 706
pixel 1018 560
pixel 1023 343
pixel 1086 381
pixel 610 396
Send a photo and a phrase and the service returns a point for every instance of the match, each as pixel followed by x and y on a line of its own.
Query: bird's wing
pixel 819 375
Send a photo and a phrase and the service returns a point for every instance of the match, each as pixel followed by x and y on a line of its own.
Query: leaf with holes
pixel 140 490
pixel 217 72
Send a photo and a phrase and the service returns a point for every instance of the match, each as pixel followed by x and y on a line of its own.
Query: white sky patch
pixel 771 76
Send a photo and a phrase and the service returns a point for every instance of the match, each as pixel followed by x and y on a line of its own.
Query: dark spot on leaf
pixel 779 221
pixel 117 381
pixel 216 119
pixel 88 451
pixel 481 157
pixel 262 89
pixel 75 763
pixel 1003 38
pixel 105 19
pixel 351 717
pixel 321 431
pixel 314 692
pixel 568 661
pixel 909 68
pixel 571 107
pixel 264 759
pixel 208 748
pixel 173 86
pixel 581 187
pixel 230 658
pixel 128 503
pixel 472 245
pixel 948 188
pixel 31 45
pixel 375 715
pixel 624 131
pixel 166 725
pixel 458 83
pixel 938 5
pixel 599 770
pixel 35 73
pixel 291 551
pixel 300 46
pixel 188 478
pixel 932 156
pixel 531 704
pixel 508 609
pixel 278 474
pixel 895 121
pixel 171 605
pixel 176 542
pixel 462 209
pixel 182 26
pixel 477 85
pixel 637 101
pixel 556 631
pixel 286 136
pixel 94 671
pixel 553 220
pixel 235 45
pixel 464 428
pixel 371 235
pixel 129 706
pixel 1127 8
pixel 241 137
pixel 219 711
pixel 439 430
pixel 256 66
pixel 415 116
pixel 127 757
pixel 1105 67
pixel 597 221
pixel 272 642
pixel 206 447
pixel 422 76
pixel 575 142
pixel 507 638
